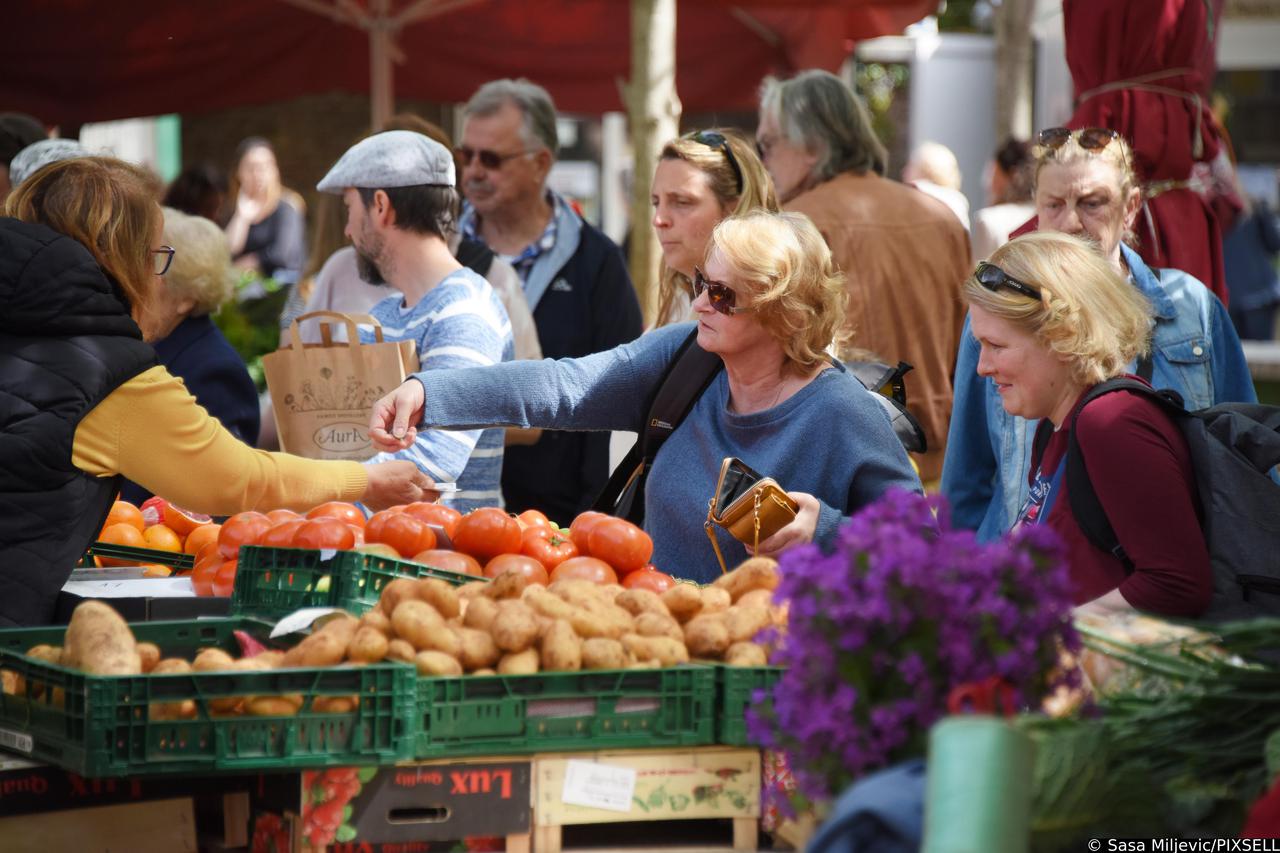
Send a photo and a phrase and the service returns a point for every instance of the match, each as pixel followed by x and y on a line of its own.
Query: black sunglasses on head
pixel 1090 138
pixel 993 278
pixel 721 296
pixel 714 139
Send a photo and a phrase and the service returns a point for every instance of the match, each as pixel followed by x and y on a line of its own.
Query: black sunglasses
pixel 161 259
pixel 1090 138
pixel 489 159
pixel 721 296
pixel 993 278
pixel 714 139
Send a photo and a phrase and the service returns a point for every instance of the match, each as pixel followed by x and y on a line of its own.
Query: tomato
pixel 243 528
pixel 202 575
pixel 224 581
pixel 324 532
pixel 408 535
pixel 450 561
pixel 358 533
pixel 379 549
pixel 649 578
pixel 581 529
pixel 350 513
pixel 533 518
pixel 547 546
pixel 527 566
pixel 586 568
pixel 281 536
pixel 620 544
pixel 487 532
pixel 278 516
pixel 440 515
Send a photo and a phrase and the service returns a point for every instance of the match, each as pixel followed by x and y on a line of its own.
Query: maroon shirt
pixel 1141 471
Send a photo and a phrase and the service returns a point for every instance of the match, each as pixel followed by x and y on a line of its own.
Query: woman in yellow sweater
pixel 83 400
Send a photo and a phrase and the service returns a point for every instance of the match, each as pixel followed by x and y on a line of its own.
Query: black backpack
pixel 1234 447
pixel 688 375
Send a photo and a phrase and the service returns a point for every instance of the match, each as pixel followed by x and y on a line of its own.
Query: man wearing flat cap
pixel 399 191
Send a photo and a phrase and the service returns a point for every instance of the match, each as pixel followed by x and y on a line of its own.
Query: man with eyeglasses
pixel 574 277
pixel 903 253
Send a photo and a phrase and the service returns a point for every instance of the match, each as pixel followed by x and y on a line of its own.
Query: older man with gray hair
pixel 574 277
pixel 903 253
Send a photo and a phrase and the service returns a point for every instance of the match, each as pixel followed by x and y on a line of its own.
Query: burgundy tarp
pixel 1136 65
pixel 71 61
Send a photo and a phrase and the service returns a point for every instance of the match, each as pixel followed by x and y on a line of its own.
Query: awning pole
pixel 381 83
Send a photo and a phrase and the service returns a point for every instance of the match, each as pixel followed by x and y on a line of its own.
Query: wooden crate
pixel 669 785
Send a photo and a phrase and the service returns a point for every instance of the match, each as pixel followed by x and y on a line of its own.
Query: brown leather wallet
pixel 752 507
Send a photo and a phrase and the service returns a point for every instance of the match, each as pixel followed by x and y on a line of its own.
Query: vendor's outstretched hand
pixel 798 532
pixel 397 482
pixel 393 425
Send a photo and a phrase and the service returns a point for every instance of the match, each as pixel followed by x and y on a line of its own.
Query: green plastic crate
pixel 735 686
pixel 274 582
pixel 103 727
pixel 605 709
pixel 182 562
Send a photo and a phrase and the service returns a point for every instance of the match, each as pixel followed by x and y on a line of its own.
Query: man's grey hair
pixel 539 111
pixel 817 110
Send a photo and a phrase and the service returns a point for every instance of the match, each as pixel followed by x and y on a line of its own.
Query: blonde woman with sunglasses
pixel 1085 185
pixel 768 302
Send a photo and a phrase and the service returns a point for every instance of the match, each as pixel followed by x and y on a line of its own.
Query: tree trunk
pixel 1014 68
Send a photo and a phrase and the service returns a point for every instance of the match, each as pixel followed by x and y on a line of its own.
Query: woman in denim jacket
pixel 1085 185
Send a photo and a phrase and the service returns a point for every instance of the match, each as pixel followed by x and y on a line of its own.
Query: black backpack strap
pixel 688 375
pixel 475 256
pixel 1085 505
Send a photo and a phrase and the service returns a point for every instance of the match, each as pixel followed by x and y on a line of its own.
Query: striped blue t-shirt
pixel 460 323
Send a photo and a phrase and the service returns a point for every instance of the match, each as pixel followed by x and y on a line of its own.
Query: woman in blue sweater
pixel 769 303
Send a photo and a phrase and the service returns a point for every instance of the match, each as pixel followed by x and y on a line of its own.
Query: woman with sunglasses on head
pixel 768 302
pixel 1052 319
pixel 700 179
pixel 1084 184
pixel 83 400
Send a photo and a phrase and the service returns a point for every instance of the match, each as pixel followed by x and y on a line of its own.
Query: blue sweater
pixel 831 439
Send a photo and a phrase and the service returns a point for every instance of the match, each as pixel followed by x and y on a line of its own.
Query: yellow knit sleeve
pixel 153 431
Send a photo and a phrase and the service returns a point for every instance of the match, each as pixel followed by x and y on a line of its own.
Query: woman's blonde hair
pixel 1087 310
pixel 201 268
pixel 793 286
pixel 757 194
pixel 106 204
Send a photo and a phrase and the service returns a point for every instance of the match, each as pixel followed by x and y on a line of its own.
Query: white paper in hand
pixel 600 786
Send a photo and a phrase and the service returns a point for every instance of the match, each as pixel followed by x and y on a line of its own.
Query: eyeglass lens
pixel 1090 138
pixel 161 259
pixel 993 278
pixel 712 139
pixel 488 159
pixel 721 296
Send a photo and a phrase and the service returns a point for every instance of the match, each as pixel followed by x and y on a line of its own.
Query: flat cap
pixel 395 158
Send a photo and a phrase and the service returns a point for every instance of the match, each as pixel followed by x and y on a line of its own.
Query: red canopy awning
pixel 72 61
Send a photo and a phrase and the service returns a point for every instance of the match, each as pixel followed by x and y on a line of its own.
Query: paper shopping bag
pixel 323 394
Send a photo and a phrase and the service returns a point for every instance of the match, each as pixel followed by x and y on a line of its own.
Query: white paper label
pixel 135 588
pixel 300 620
pixel 16 741
pixel 599 786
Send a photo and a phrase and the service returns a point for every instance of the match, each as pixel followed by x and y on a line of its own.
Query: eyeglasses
pixel 713 139
pixel 993 278
pixel 488 159
pixel 721 296
pixel 1090 138
pixel 161 259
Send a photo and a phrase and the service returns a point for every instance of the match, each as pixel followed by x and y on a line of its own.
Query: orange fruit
pixel 121 534
pixel 183 521
pixel 160 538
pixel 200 537
pixel 202 575
pixel 155 570
pixel 123 512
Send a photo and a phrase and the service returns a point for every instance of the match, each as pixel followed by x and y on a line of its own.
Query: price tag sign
pixel 300 620
pixel 600 786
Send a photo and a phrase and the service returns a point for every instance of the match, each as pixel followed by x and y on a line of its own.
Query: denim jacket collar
pixel 1144 278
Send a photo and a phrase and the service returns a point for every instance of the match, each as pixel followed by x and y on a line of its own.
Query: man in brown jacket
pixel 904 253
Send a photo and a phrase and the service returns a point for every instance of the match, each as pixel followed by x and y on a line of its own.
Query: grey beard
pixel 368 269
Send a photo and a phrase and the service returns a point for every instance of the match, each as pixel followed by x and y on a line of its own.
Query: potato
pixel 434 662
pixel 756 598
pixel 514 627
pixel 597 618
pixel 714 600
pixel 401 650
pixel 683 601
pixel 576 590
pixel 746 654
pixel 561 648
pixel 44 653
pixel 418 622
pixel 478 649
pixel 378 621
pixel 98 641
pixel 149 654
pixel 547 604
pixel 10 682
pixel 398 590
pixel 664 650
pixel 480 613
pixel 270 706
pixel 745 622
pixel 611 591
pixel 441 596
pixel 753 573
pixel 519 663
pixel 706 636
pixel 509 584
pixel 181 710
pixel 638 601
pixel 368 645
pixel 213 660
pixel 603 653
pixel 323 648
pixel 471 589
pixel 485 671
pixel 657 625
pixel 271 658
pixel 335 704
